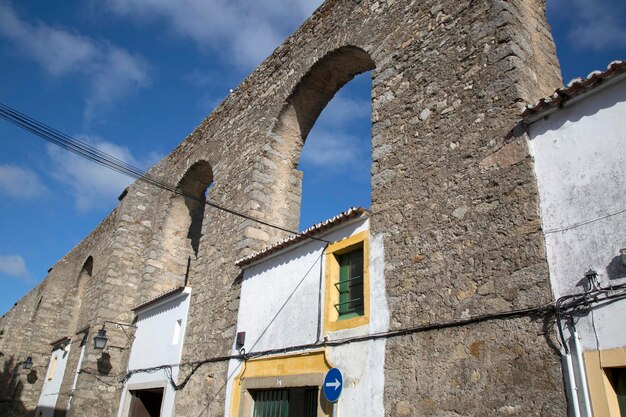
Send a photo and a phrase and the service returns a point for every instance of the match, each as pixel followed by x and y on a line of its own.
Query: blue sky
pixel 134 77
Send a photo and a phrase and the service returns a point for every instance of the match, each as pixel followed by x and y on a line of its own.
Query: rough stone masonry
pixel 453 195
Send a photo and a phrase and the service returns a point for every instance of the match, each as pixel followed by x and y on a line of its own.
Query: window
pixel 298 402
pixel 350 285
pixel 606 376
pixel 52 366
pixel 617 376
pixel 177 327
pixel 347 283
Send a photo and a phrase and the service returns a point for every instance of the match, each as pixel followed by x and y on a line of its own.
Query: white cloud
pixel 336 153
pixel 111 72
pixel 201 78
pixel 93 186
pixel 14 266
pixel 332 147
pixel 597 24
pixel 213 89
pixel 343 110
pixel 20 182
pixel 600 33
pixel 241 30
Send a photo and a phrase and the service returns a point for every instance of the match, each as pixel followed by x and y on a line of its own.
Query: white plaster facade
pixel 580 163
pixel 53 380
pixel 282 305
pixel 158 341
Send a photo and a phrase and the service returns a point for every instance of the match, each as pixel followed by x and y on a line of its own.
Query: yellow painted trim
pixel 331 297
pixel 52 366
pixel 613 358
pixel 277 366
pixel 603 396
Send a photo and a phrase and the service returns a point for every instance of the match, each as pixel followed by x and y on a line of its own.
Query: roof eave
pixel 577 90
pixel 316 231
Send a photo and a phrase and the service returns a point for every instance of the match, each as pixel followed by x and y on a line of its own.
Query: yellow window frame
pixel 598 364
pixel 331 297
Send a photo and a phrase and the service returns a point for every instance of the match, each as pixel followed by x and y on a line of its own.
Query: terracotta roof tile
pixel 574 88
pixel 158 298
pixel 310 232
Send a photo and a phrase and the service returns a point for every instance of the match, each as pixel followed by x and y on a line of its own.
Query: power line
pixel 93 154
pixel 570 303
pixel 195 365
pixel 584 222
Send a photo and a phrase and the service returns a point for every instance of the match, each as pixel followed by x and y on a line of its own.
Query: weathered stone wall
pixel 453 195
pixel 47 314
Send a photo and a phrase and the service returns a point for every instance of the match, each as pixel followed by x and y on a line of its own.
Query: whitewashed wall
pixel 158 341
pixel 51 387
pixel 580 164
pixel 280 307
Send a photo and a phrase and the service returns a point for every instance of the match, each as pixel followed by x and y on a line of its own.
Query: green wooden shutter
pixel 350 285
pixel 271 403
pixel 310 402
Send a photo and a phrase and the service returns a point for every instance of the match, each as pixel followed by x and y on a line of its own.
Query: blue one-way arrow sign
pixel 333 384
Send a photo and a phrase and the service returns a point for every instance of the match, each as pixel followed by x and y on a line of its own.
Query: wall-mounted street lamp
pixel 101 339
pixel 28 363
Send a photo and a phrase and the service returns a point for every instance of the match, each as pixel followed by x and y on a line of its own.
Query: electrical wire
pixel 569 306
pixel 93 154
pixel 102 158
pixel 583 223
pixel 574 302
pixel 195 365
pixel 565 306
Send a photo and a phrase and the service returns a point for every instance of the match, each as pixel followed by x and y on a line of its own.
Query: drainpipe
pixel 569 367
pixel 79 367
pixel 572 383
pixel 581 370
pixel 319 302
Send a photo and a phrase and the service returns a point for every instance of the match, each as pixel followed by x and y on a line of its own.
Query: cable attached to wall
pixel 569 306
pixel 196 365
pixel 564 307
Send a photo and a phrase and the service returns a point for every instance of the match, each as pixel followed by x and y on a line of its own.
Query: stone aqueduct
pixel 448 80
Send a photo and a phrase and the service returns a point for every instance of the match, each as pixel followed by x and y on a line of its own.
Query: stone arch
pixel 80 309
pixel 320 84
pixel 33 316
pixel 195 182
pixel 87 269
pixel 296 119
pixel 182 230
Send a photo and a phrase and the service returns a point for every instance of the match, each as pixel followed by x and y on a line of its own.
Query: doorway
pixel 146 402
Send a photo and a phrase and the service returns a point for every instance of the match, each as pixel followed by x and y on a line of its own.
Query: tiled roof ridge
pixel 574 87
pixel 309 232
pixel 159 297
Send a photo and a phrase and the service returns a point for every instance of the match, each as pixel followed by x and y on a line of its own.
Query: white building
pixel 158 341
pixel 578 141
pixel 302 300
pixel 50 391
